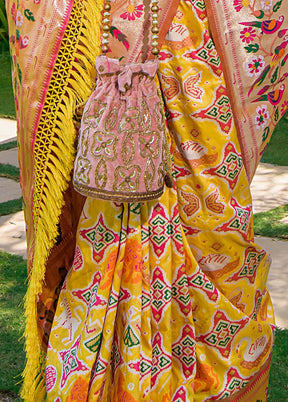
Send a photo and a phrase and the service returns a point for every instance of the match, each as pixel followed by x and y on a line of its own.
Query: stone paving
pixel 269 190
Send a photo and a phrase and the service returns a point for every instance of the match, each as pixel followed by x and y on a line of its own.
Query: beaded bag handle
pixel 155 51
pixel 106 27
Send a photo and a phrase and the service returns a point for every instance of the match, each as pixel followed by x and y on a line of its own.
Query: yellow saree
pixel 160 301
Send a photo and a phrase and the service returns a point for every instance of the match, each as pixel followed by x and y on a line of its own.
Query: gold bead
pixel 155 30
pixel 106 28
pixel 155 51
pixel 105 48
pixel 155 9
pixel 107 7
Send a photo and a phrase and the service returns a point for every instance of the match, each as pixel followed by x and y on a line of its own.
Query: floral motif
pixel 255 65
pixel 284 107
pixel 132 12
pixel 266 4
pixel 130 120
pixel 23 42
pixel 248 35
pixel 19 19
pixel 239 4
pixel 262 116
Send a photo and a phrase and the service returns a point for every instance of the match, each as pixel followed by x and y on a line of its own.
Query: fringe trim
pixel 54 153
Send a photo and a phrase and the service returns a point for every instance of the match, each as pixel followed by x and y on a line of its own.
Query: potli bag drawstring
pixel 123 153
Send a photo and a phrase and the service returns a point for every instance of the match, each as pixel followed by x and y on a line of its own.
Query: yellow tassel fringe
pixel 52 178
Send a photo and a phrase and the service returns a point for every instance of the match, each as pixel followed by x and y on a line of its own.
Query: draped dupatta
pixel 252 42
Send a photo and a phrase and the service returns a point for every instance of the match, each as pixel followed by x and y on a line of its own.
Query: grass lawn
pixel 277 149
pixel 12 290
pixel 11 207
pixel 7 107
pixel 278 390
pixel 268 223
pixel 8 145
pixel 9 171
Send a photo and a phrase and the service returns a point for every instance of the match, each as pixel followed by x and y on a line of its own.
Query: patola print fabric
pixel 167 300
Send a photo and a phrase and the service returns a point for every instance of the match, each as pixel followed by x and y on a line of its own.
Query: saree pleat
pixel 167 300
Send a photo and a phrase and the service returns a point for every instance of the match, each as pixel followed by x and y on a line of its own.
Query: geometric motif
pixel 180 395
pixel 161 294
pixel 124 295
pixel 220 111
pixel 160 230
pixel 181 172
pixel 222 334
pixel 240 221
pixel 199 281
pixel 71 363
pixel 145 367
pixel 189 230
pixel 229 168
pixel 251 262
pixel 89 294
pixel 180 291
pixel 184 350
pixel 130 338
pixel 101 366
pixel 145 300
pixel 234 383
pixel 200 8
pixel 116 357
pixel 94 343
pixel 100 237
pixel 161 360
pixel 175 230
pixel 113 300
pixel 207 54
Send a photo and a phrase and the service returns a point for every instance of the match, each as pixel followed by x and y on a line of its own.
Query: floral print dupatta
pixel 252 41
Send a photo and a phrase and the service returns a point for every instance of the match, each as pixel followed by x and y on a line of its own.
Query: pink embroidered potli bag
pixel 122 152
